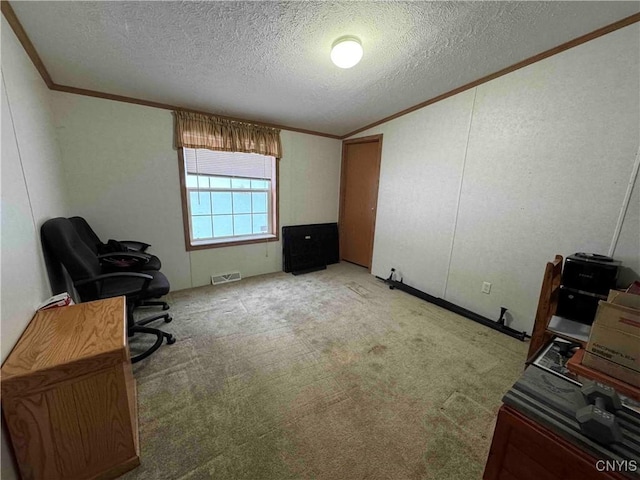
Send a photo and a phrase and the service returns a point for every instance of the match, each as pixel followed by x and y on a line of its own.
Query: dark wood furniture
pixel 525 450
pixel 69 396
pixel 542 332
pixel 575 365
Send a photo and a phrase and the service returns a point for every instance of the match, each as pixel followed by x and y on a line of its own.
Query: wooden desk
pixel 523 449
pixel 68 394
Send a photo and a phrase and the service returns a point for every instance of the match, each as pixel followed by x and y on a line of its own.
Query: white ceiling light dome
pixel 346 51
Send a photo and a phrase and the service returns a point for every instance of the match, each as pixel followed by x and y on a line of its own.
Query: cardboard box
pixel 615 345
pixel 614 370
pixel 621 311
pixel 615 333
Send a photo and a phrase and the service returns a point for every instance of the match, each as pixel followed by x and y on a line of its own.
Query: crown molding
pixel 16 26
pixel 516 66
pixel 165 106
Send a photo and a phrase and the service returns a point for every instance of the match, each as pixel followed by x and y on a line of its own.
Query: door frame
pixel 378 160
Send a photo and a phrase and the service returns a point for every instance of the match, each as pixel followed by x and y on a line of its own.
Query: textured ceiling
pixel 269 61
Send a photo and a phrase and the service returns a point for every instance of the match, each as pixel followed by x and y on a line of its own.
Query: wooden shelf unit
pixel 547 305
pixel 69 395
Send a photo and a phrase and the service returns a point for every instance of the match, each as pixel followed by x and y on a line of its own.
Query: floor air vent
pixel 225 278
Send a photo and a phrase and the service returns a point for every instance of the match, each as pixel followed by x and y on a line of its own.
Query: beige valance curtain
pixel 195 130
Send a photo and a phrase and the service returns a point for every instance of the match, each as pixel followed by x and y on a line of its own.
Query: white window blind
pixel 229 195
pixel 228 164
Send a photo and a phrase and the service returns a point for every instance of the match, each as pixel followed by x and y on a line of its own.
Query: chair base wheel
pixel 171 340
pixel 168 320
pixel 165 307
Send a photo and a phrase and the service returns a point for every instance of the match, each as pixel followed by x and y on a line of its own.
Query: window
pixel 228 198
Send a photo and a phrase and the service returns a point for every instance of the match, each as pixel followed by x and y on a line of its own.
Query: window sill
pixel 230 242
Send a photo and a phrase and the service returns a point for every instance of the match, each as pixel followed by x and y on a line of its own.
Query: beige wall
pixel 122 173
pixel 31 191
pixel 309 191
pixel 490 184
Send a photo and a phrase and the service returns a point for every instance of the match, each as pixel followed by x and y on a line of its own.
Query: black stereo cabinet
pixel 307 248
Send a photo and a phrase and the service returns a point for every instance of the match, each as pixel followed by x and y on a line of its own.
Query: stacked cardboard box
pixel 614 342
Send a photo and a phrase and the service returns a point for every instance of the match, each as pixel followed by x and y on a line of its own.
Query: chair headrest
pixel 86 233
pixel 65 245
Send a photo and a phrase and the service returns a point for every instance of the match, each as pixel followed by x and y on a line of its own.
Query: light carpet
pixel 328 375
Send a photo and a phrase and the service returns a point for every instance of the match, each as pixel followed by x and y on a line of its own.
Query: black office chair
pixel 111 262
pixel 64 245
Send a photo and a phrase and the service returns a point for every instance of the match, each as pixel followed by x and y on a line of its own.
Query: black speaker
pixel 590 272
pixel 586 279
pixel 577 306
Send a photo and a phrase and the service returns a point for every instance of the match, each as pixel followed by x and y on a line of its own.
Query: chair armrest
pixel 133 255
pixel 134 245
pixel 99 280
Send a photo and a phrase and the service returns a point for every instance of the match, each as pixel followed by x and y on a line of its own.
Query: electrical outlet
pixel 486 288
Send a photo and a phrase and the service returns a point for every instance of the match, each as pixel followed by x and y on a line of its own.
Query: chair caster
pixel 168 320
pixel 165 307
pixel 171 340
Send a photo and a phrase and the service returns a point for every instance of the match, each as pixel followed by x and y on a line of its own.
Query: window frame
pixel 228 241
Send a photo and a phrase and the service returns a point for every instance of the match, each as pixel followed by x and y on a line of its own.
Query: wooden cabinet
pixel 525 450
pixel 68 394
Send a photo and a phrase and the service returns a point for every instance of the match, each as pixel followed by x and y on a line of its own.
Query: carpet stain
pixel 342 356
pixel 376 366
pixel 378 349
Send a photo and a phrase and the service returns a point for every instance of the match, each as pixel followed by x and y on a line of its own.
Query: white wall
pixel 490 184
pixel 422 159
pixel 122 173
pixel 32 191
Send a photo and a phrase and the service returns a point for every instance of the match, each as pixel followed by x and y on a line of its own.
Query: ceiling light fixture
pixel 346 51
